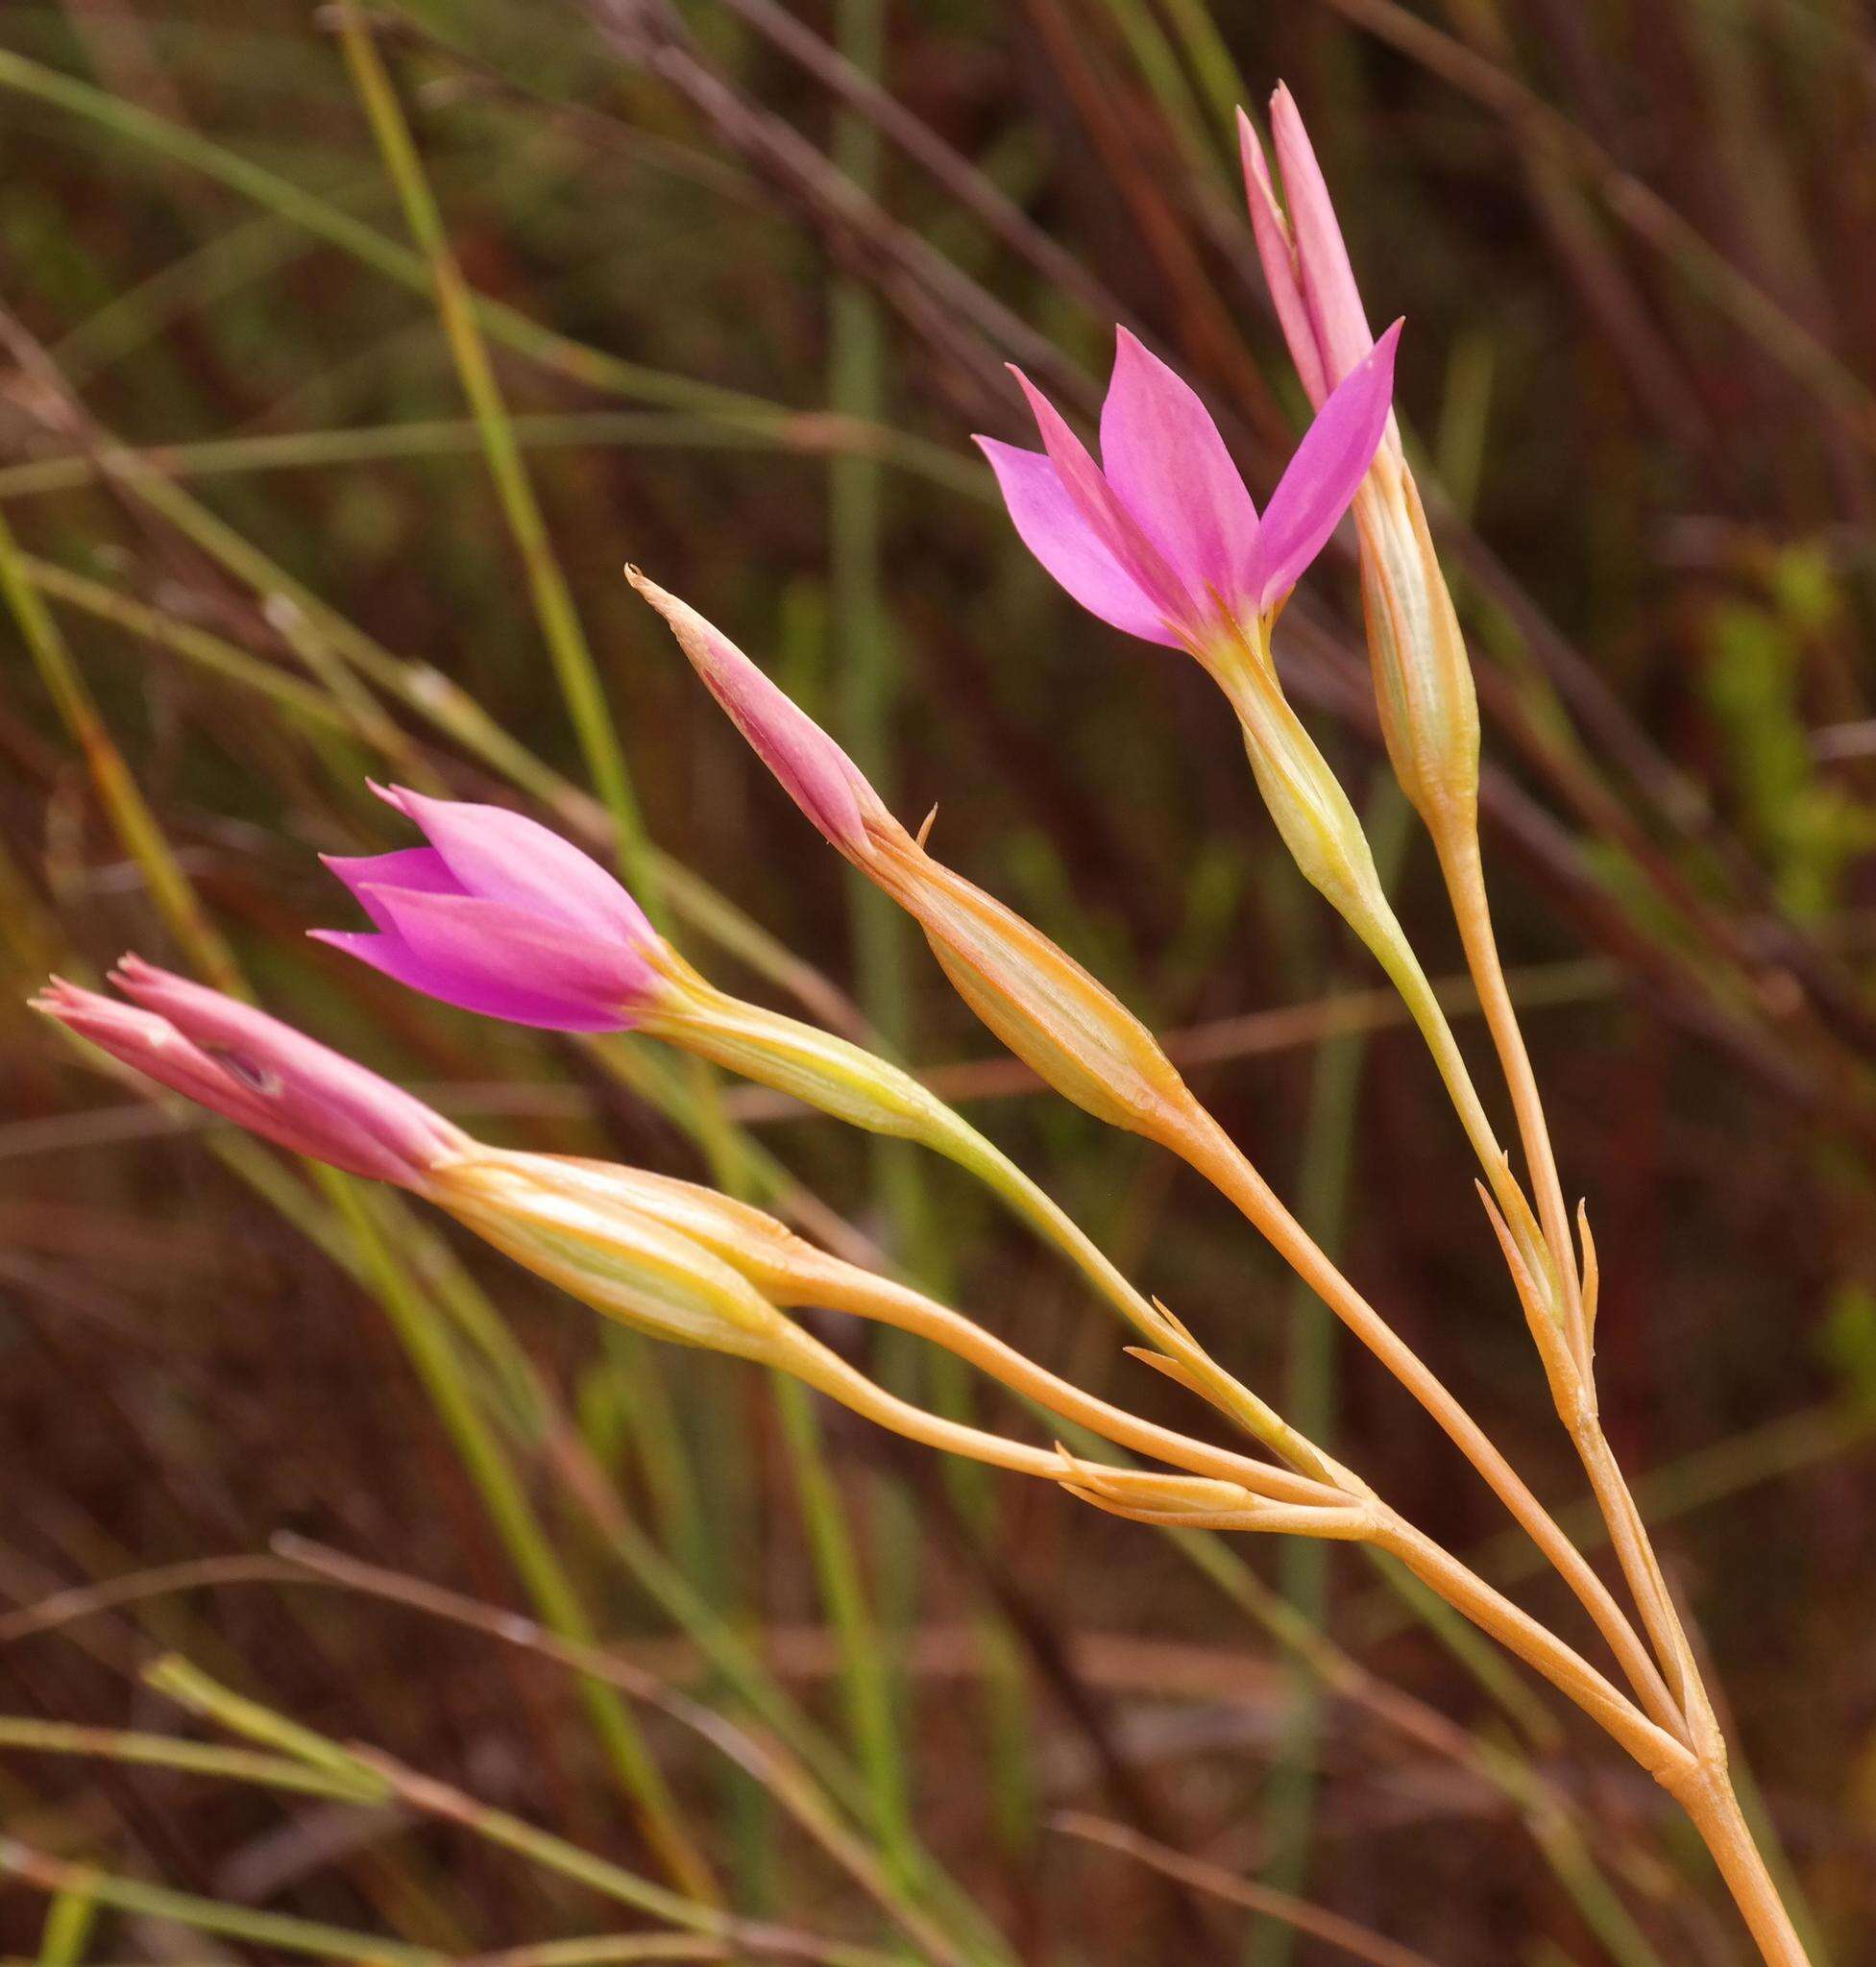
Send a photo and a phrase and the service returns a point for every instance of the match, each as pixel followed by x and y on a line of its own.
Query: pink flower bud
pixel 813 770
pixel 1305 259
pixel 258 1073
pixel 501 915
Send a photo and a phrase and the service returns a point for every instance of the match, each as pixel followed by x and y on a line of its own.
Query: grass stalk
pixel 427 1341
pixel 577 362
pixel 1289 1808
pixel 559 619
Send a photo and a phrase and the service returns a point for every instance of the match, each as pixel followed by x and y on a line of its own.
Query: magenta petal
pixel 1277 250
pixel 1327 470
pixel 394 958
pixel 459 947
pixel 1050 524
pixel 1112 525
pixel 414 868
pixel 506 858
pixel 1166 461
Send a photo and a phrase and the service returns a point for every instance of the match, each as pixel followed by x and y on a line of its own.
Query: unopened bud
pixel 1068 1028
pixel 641 1272
pixel 1422 676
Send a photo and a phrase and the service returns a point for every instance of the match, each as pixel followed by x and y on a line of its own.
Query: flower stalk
pixel 1429 719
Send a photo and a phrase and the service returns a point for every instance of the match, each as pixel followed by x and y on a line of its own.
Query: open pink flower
pixel 257 1072
pixel 501 915
pixel 1161 538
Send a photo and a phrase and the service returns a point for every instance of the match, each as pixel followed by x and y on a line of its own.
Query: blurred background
pixel 344 360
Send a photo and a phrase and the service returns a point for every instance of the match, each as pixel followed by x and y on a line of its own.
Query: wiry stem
pixel 1206 1145
pixel 1704 1789
pixel 871 1297
pixel 1659 1751
pixel 1461 864
pixel 1708 1798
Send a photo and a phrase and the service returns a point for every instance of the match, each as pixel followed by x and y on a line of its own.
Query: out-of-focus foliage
pixel 744 345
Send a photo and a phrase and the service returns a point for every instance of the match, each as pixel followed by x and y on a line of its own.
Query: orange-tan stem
pixel 1708 1797
pixel 1201 1142
pixel 878 1299
pixel 1663 1754
pixel 1574 1385
pixel 1465 878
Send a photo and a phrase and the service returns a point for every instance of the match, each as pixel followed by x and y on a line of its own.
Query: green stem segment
pixel 844 1079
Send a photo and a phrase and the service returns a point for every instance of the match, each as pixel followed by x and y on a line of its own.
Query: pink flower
pixel 502 917
pixel 814 772
pixel 1160 538
pixel 1305 258
pixel 257 1072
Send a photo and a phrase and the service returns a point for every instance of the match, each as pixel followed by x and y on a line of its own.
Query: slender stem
pixel 1662 1754
pixel 1572 1372
pixel 559 621
pixel 836 1077
pixel 1628 1537
pixel 1206 1145
pixel 824 1370
pixel 1327 842
pixel 957 1139
pixel 1465 878
pixel 867 1296
pixel 1708 1798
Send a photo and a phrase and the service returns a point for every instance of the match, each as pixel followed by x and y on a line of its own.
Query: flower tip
pixel 1386 344
pixel 1283 111
pixel 661 598
pixel 814 771
pixel 131 972
pixel 52 997
pixel 1251 149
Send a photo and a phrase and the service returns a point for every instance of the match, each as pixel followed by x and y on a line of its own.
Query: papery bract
pixel 260 1072
pixel 1161 538
pixel 501 915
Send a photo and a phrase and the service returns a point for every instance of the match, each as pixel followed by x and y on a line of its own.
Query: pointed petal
pixel 1166 461
pixel 393 957
pixel 470 951
pixel 1050 524
pixel 417 867
pixel 283 1084
pixel 1327 470
pixel 1277 250
pixel 1327 279
pixel 1112 525
pixel 506 856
